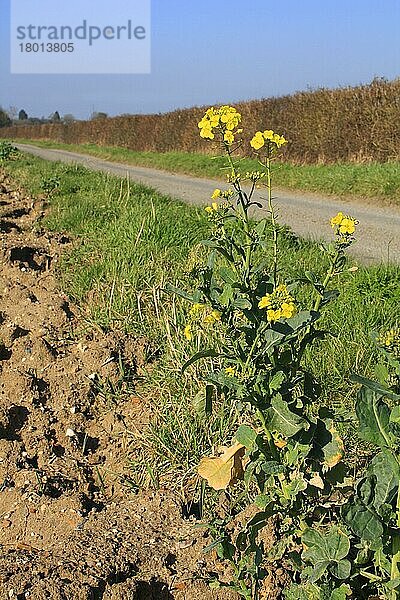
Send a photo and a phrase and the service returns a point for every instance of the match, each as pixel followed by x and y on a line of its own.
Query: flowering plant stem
pixel 282 458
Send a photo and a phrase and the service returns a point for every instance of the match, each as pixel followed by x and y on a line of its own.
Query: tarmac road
pixel 378 235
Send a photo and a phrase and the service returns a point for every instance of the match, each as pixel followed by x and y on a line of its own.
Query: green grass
pixel 131 240
pixel 373 181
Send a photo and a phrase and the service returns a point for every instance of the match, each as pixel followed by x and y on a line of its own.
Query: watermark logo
pixel 80 36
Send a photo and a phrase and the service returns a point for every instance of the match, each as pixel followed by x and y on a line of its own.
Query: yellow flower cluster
pixel 224 120
pixel 260 137
pixel 231 371
pixel 206 318
pixel 213 317
pixel 222 194
pixel 215 207
pixel 390 341
pixel 254 175
pixel 344 224
pixel 280 304
pixel 187 332
pixel 212 209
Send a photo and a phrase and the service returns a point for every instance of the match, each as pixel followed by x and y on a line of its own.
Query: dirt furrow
pixel 69 525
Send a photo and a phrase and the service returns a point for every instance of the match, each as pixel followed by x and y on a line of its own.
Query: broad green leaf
pixel 260 227
pixel 242 303
pixel 375 387
pixel 329 295
pixel 222 379
pixel 333 546
pixel 271 338
pixel 373 416
pixel 307 591
pixel 329 442
pixel 341 593
pixel 247 436
pixel 228 275
pixel 226 550
pixel 272 468
pixel 202 402
pixel 363 520
pixel 385 469
pixel 395 415
pixel 341 569
pixel 295 486
pixel 226 295
pixel 283 420
pixel 319 570
pixel 302 319
pixel 394 584
pixel 311 277
pixel 262 501
pixel 381 561
pixel 276 381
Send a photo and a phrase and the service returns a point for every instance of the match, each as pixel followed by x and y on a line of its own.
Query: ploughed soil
pixel 70 527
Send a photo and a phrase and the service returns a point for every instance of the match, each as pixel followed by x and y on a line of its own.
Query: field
pixel 114 247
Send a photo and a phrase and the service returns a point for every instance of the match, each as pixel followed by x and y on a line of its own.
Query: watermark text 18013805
pixel 115 39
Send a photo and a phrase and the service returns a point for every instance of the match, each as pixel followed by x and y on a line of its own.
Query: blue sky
pixel 210 51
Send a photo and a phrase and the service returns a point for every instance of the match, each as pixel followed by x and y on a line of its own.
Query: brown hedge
pixel 346 124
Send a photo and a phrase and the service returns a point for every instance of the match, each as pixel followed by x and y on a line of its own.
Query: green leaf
pixel 329 442
pixel 341 569
pixel 381 561
pixel 305 591
pixel 329 295
pixel 299 484
pixel 228 275
pixel 341 593
pixel 331 546
pixel 394 584
pixel 247 436
pixel 242 303
pixel 311 277
pixel 272 467
pixel 272 338
pixel 260 227
pixel 262 501
pixel 276 381
pixel 202 402
pixel 385 470
pixel 363 520
pixel 375 387
pixel 302 319
pixel 199 356
pixel 226 295
pixel 373 416
pixel 395 415
pixel 178 292
pixel 319 570
pixel 282 420
pixel 226 550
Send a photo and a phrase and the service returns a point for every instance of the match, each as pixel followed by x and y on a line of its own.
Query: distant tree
pixel 98 115
pixel 22 115
pixel 68 118
pixel 12 112
pixel 4 118
pixel 55 117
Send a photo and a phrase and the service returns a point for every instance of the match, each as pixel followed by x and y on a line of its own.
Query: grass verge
pixel 373 181
pixel 130 241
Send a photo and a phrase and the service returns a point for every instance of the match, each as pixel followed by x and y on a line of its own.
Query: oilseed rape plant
pixel 248 329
